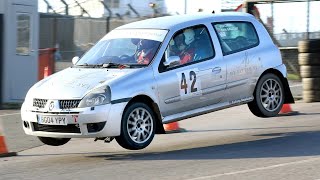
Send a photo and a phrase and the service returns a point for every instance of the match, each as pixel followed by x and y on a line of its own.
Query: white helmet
pixel 189 36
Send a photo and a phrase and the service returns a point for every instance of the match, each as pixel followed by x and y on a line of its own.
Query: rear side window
pixel 236 36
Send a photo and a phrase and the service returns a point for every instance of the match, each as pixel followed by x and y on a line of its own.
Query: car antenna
pixel 213 12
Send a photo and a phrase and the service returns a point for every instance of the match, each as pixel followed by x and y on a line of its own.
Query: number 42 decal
pixel 189 83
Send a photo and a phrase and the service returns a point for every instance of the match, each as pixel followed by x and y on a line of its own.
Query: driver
pixel 184 43
pixel 146 51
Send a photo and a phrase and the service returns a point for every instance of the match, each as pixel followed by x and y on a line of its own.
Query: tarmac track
pixel 228 144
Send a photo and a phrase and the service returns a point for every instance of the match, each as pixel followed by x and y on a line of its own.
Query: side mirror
pixel 172 61
pixel 75 60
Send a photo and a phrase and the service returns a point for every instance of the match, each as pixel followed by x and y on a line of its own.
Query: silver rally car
pixel 148 73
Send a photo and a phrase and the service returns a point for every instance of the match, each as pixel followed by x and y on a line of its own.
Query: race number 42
pixel 189 83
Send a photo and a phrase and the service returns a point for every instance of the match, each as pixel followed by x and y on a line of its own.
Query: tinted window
pixel 190 45
pixel 236 36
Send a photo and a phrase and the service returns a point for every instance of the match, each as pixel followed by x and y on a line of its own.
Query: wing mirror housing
pixel 75 60
pixel 172 61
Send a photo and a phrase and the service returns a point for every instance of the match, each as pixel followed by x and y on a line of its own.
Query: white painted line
pixel 3 115
pixel 296 85
pixel 256 169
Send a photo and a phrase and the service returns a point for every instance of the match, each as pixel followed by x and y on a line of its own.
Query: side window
pixel 189 46
pixel 236 36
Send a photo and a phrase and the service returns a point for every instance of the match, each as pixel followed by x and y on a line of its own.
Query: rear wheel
pixel 268 96
pixel 137 127
pixel 54 141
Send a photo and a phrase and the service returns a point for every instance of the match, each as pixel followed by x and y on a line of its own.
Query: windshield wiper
pixel 85 65
pixel 117 65
pixel 110 65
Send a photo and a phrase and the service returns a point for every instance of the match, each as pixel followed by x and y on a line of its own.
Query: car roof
pixel 169 22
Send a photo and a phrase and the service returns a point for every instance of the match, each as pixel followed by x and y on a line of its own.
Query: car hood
pixel 75 83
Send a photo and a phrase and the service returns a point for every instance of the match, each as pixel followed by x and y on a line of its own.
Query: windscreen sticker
pixel 227 28
pixel 152 34
pixel 189 83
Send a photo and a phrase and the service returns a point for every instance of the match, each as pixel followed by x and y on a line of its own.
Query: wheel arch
pixel 154 106
pixel 288 98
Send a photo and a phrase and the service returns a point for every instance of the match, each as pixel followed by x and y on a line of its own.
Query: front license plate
pixel 52 120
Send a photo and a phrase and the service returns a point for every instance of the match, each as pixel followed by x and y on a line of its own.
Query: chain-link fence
pixel 73 36
pixel 289 22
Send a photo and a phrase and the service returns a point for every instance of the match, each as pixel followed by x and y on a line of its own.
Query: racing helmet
pixel 147 44
pixel 189 36
pixel 179 41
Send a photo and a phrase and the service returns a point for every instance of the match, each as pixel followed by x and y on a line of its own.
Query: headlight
pixel 99 96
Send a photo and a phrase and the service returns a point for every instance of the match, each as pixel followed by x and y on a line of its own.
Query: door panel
pixel 237 77
pixel 239 41
pixel 191 84
pixel 213 81
pixel 190 87
pixel 175 88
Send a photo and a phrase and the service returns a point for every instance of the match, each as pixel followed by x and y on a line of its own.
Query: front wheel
pixel 54 141
pixel 268 96
pixel 137 127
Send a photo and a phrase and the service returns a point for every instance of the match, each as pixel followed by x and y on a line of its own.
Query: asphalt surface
pixel 18 141
pixel 227 144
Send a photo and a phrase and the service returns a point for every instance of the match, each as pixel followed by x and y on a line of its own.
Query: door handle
pixel 216 70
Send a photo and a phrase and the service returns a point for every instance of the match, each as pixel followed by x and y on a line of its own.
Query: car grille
pixel 40 103
pixel 69 104
pixel 70 128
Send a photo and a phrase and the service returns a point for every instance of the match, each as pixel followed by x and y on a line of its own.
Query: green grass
pixel 293 77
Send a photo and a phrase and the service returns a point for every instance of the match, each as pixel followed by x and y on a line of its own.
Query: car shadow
pixel 293 144
pixel 304 114
pixel 246 129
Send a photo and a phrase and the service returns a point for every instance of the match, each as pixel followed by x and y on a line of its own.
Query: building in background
pixel 18 48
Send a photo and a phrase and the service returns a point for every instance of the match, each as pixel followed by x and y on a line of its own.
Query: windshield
pixel 125 47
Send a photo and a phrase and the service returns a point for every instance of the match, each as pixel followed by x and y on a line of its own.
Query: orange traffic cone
pixel 173 128
pixel 3 148
pixel 45 72
pixel 286 110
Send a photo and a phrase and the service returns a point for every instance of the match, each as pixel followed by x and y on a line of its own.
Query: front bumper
pixel 100 121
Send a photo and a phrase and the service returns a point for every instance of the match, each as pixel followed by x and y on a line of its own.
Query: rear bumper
pixel 288 98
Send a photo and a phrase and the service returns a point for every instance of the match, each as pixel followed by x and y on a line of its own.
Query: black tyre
pixel 310 71
pixel 310 84
pixel 54 141
pixel 312 45
pixel 268 96
pixel 311 96
pixel 307 59
pixel 137 127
